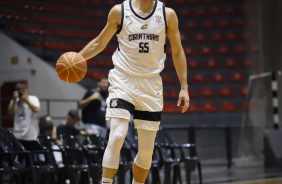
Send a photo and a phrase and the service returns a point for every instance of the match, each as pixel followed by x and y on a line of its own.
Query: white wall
pixel 45 84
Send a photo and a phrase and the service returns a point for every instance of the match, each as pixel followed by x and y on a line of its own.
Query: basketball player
pixel 135 84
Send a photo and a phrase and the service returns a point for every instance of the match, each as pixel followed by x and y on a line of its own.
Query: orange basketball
pixel 71 67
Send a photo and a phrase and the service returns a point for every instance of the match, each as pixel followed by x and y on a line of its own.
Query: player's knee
pixel 117 139
pixel 144 158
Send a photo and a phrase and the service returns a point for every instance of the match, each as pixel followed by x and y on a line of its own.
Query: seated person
pixel 68 126
pixel 46 126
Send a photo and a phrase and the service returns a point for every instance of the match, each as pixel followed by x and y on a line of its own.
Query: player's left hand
pixel 183 95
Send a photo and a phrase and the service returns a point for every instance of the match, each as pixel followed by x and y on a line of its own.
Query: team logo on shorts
pixel 144 26
pixel 114 102
pixel 158 19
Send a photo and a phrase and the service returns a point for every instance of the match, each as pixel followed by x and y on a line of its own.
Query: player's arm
pixel 178 56
pixel 100 42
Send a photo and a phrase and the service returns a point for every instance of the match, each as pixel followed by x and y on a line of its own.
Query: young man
pixel 94 106
pixel 24 108
pixel 135 85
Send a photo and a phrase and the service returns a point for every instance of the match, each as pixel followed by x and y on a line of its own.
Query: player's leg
pixel 118 131
pixel 143 159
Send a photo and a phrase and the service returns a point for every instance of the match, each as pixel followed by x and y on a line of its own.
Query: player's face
pixel 104 85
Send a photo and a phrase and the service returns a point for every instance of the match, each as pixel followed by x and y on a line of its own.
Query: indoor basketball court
pixel 231 133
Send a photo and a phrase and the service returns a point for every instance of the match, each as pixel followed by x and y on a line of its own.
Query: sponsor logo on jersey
pixel 158 19
pixel 114 102
pixel 144 26
pixel 143 36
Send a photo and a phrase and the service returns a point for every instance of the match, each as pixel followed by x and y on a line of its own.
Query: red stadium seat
pixel 192 94
pixel 218 78
pixel 199 78
pixel 179 2
pixel 231 10
pixel 200 37
pixel 200 11
pixel 243 91
pixel 237 77
pixel 193 64
pixel 248 35
pixel 193 108
pixel 96 75
pixel 167 78
pixel 226 92
pixel 248 62
pixel 209 107
pixel 245 9
pixel 184 37
pixel 239 22
pixel 173 93
pixel 241 49
pixel 224 23
pixel 211 63
pixel 206 92
pixel 217 37
pixel 206 50
pixel 170 64
pixel 231 63
pixel 215 10
pixel 228 106
pixel 185 13
pixel 232 36
pixel 251 106
pixel 190 25
pixel 189 51
pixel 223 50
pixel 208 24
pixel 166 93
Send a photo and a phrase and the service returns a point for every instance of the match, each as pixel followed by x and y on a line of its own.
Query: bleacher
pixel 219 48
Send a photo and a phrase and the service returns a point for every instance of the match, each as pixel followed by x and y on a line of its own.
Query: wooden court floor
pixel 261 181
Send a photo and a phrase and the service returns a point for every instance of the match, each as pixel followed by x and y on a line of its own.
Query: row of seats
pixel 214 63
pixel 219 37
pixel 201 78
pixel 56 161
pixel 53 31
pixel 221 50
pixel 226 106
pixel 224 91
pixel 75 22
pixel 221 23
pixel 215 10
pixel 190 51
pixel 60 45
pixel 183 2
pixel 199 37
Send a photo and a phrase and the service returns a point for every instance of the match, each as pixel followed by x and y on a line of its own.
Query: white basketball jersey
pixel 141 50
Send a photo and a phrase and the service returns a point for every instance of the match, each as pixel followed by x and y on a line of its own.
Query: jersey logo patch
pixel 144 26
pixel 158 19
pixel 114 102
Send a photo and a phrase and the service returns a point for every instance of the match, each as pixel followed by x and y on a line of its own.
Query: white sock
pixel 135 182
pixel 107 180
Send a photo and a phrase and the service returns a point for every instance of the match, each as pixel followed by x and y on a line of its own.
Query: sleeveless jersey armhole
pixel 164 17
pixel 122 17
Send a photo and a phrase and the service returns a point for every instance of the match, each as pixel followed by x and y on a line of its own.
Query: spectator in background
pixel 24 108
pixel 68 126
pixel 46 127
pixel 94 106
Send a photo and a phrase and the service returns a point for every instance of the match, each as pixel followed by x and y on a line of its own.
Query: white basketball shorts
pixel 140 96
